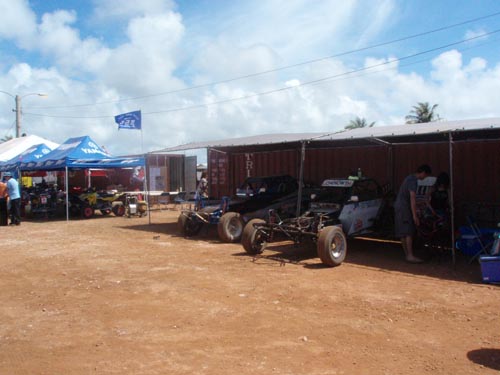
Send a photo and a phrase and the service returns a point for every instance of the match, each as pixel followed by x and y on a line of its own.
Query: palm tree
pixel 6 138
pixel 358 123
pixel 422 112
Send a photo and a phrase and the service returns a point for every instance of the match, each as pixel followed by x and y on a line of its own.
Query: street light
pixel 17 99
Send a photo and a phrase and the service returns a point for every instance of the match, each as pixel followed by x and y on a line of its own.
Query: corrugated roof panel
pixel 361 133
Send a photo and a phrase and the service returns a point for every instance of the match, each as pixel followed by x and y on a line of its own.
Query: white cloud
pixel 478 34
pixel 448 67
pixel 17 22
pixel 110 9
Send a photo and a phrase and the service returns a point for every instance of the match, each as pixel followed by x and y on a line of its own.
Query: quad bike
pixel 42 202
pixel 87 203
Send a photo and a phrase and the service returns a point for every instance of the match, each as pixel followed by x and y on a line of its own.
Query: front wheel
pixel 230 227
pixel 187 226
pixel 332 246
pixel 253 239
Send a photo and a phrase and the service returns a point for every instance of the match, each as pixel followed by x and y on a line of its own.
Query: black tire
pixel 230 227
pixel 87 211
pixel 332 246
pixel 187 226
pixel 252 239
pixel 119 210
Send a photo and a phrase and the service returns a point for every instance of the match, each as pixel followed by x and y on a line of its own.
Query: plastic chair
pixel 164 199
pixel 484 243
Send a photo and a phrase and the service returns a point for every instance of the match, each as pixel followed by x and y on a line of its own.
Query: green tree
pixel 422 112
pixel 6 138
pixel 358 122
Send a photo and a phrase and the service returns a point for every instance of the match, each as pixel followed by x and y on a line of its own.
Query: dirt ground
pixel 116 295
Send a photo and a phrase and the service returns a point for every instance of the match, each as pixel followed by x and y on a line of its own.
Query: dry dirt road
pixel 118 296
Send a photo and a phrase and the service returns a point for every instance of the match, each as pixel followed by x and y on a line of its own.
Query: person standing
pixel 202 189
pixel 14 198
pixel 405 211
pixel 3 204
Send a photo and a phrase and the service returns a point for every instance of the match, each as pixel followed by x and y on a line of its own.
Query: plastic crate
pixel 490 268
pixel 469 244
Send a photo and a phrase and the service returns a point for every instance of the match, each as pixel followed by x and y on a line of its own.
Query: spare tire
pixel 230 227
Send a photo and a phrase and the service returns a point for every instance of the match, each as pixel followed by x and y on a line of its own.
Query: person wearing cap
pixel 15 199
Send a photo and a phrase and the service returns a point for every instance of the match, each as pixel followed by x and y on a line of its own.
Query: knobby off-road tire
pixel 119 210
pixel 251 239
pixel 87 211
pixel 230 227
pixel 332 246
pixel 188 227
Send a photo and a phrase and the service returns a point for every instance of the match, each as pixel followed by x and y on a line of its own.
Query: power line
pixel 281 89
pixel 281 68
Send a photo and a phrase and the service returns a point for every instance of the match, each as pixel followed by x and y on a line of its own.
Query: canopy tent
pixel 32 154
pixel 118 162
pixel 79 148
pixel 79 153
pixel 14 147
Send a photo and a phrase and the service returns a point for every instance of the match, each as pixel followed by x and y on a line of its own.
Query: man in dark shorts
pixel 405 211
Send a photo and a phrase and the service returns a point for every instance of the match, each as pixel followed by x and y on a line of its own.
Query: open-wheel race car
pixel 340 208
pixel 255 197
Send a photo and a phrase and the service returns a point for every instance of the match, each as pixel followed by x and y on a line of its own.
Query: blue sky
pixel 89 56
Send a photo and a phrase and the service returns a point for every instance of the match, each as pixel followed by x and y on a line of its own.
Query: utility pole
pixel 18 116
pixel 18 109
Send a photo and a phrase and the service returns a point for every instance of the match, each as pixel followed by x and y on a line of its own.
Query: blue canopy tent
pixel 79 153
pixel 32 154
pixel 79 148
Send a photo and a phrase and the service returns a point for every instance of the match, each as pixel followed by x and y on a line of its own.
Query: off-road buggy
pixel 340 208
pixel 253 199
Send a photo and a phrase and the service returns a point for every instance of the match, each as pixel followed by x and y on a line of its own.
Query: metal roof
pixel 376 132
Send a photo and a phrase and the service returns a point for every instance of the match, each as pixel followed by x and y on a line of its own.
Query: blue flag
pixel 131 120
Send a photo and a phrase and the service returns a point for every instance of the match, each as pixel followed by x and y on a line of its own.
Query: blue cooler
pixel 490 268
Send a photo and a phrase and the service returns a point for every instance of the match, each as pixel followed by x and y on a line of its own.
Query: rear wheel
pixel 230 227
pixel 87 211
pixel 187 226
pixel 332 246
pixel 119 210
pixel 253 239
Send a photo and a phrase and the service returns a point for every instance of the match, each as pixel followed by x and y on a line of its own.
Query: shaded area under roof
pixel 432 131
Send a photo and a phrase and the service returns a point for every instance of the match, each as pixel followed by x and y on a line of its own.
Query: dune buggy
pixel 253 199
pixel 340 208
